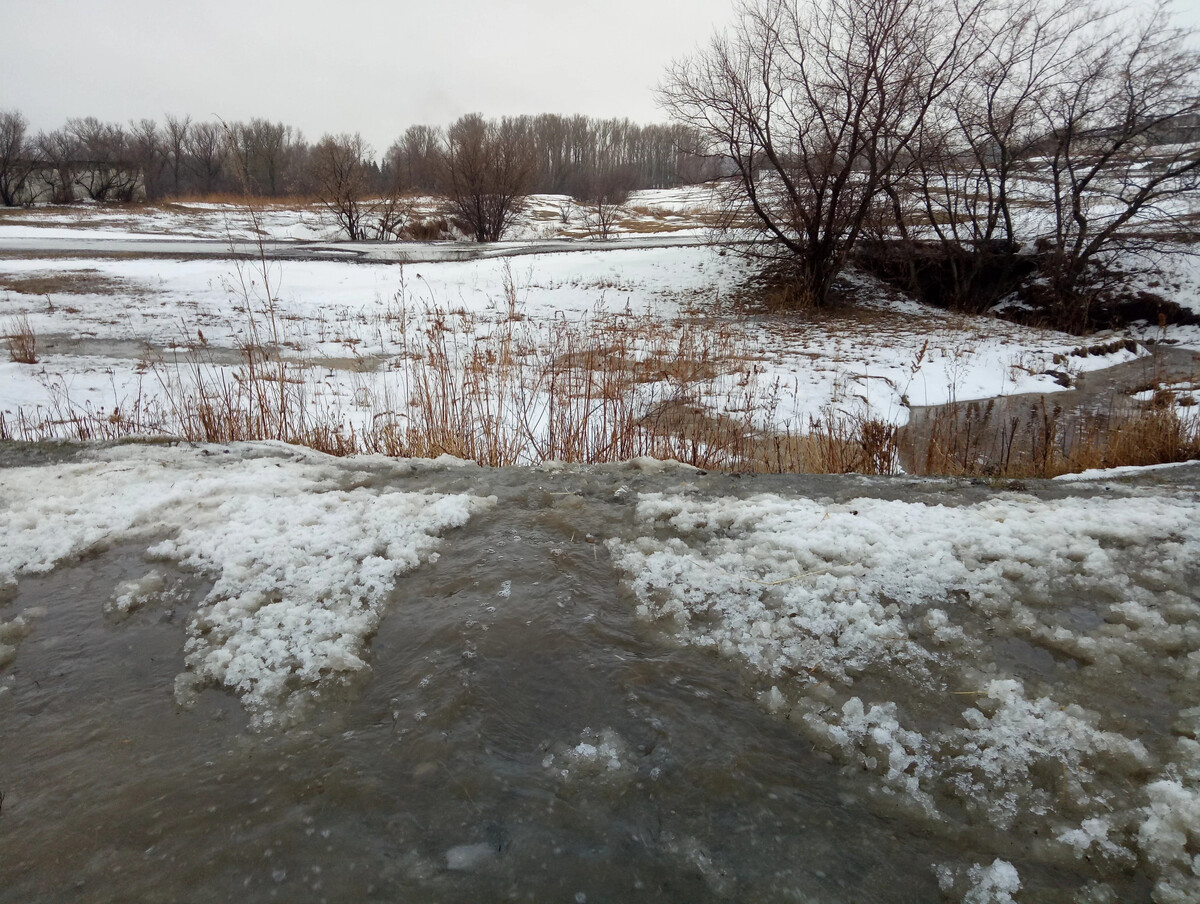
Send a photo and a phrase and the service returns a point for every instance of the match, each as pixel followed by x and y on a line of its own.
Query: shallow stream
pixel 524 732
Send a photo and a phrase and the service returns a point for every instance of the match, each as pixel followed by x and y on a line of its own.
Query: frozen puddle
pixel 259 673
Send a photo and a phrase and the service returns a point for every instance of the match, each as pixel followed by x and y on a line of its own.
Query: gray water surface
pixel 446 774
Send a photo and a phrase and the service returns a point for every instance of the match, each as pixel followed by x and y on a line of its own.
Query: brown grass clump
pixel 21 341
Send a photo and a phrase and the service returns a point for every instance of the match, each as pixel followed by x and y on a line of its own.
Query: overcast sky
pixel 372 66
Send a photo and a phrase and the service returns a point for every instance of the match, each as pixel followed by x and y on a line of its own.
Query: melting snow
pixel 302 565
pixel 821 598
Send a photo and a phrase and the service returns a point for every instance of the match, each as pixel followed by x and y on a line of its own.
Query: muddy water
pixel 446 773
pixel 991 424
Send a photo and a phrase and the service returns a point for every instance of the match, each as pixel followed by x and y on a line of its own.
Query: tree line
pixel 966 149
pixel 179 157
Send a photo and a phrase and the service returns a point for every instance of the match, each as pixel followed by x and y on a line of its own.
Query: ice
pixel 874 736
pixel 792 585
pixel 1169 834
pixel 997 754
pixel 817 598
pixel 302 559
pixel 994 884
pixel 598 754
pixel 468 857
pixel 1092 837
pixel 12 632
pixel 129 596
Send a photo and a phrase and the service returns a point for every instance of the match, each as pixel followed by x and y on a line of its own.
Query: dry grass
pixel 21 341
pixel 508 390
pixel 498 390
pixel 980 440
pixel 67 282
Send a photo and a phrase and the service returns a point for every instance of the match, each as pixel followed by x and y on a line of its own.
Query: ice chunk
pixel 995 884
pixel 598 754
pixel 129 596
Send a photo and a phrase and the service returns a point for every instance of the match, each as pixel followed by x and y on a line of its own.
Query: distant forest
pixel 178 157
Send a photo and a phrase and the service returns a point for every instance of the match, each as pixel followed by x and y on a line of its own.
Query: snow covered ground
pixel 682 210
pixel 103 321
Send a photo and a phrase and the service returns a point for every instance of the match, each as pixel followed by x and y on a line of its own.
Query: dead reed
pixel 21 341
pixel 500 389
pixel 1040 439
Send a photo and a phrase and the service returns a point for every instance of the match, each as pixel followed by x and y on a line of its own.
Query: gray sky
pixel 370 66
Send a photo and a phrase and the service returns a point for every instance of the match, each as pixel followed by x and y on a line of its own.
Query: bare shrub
pixel 487 170
pixel 21 341
pixel 603 200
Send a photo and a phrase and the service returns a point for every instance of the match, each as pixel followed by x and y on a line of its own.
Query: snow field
pixel 302 564
pixel 832 605
pixel 350 331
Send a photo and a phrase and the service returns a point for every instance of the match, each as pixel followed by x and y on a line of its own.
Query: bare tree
pixel 207 150
pixel 147 153
pixel 604 198
pixel 1118 169
pixel 415 159
pixel 349 186
pixel 176 136
pixel 16 161
pixel 266 154
pixel 103 167
pixel 487 173
pixel 59 154
pixel 1085 124
pixel 969 163
pixel 814 104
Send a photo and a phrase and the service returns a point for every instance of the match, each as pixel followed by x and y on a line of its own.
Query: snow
pixel 1117 473
pixel 858 618
pixel 347 327
pixel 302 564
pixel 994 884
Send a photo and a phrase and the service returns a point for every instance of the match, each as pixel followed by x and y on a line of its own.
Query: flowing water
pixel 521 734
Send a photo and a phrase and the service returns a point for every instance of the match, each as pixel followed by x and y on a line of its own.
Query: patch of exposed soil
pixel 87 281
